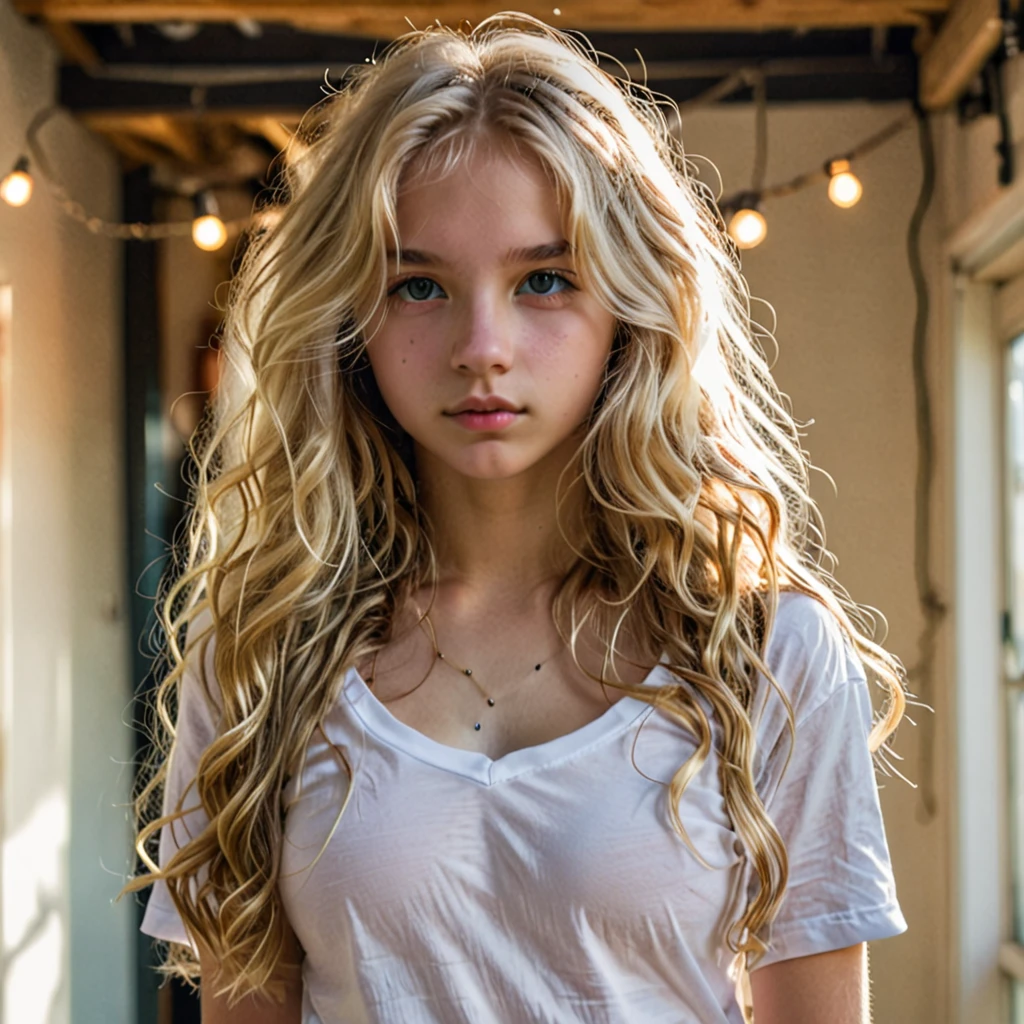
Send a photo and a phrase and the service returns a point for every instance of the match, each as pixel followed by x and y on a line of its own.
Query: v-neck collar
pixel 479 767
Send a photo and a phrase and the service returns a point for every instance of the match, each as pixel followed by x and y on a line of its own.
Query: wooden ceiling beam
pixel 212 146
pixel 277 134
pixel 175 134
pixel 128 120
pixel 180 137
pixel 388 19
pixel 968 36
pixel 134 150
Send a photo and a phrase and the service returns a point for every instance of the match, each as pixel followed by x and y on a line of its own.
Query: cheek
pixel 575 356
pixel 399 362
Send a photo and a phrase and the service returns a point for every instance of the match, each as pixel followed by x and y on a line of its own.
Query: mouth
pixel 485 419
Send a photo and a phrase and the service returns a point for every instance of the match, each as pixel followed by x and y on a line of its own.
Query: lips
pixel 488 415
pixel 487 404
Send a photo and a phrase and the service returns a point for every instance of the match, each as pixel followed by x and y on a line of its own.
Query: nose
pixel 483 338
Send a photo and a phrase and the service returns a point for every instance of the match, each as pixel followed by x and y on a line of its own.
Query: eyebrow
pixel 527 254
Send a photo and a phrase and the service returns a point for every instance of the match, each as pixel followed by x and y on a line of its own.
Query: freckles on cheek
pixel 550 354
pixel 568 354
pixel 403 350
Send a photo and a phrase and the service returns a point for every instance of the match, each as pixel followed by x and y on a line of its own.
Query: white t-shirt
pixel 548 885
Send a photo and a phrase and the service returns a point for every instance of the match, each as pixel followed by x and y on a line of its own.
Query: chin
pixel 492 468
pixel 490 461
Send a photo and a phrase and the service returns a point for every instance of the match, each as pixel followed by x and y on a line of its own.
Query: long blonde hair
pixel 305 535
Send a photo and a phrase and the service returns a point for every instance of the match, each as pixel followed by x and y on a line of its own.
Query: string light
pixel 844 187
pixel 747 226
pixel 208 230
pixel 16 188
pixel 822 172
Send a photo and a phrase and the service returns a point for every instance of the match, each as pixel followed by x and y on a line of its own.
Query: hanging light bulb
pixel 747 226
pixel 16 188
pixel 208 230
pixel 844 187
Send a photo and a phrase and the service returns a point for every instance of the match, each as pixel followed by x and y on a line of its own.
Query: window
pixel 1013 636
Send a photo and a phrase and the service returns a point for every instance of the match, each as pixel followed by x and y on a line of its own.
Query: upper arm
pixel 839 888
pixel 253 1009
pixel 824 988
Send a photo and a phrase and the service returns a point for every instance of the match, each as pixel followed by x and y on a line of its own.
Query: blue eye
pixel 541 283
pixel 550 278
pixel 418 288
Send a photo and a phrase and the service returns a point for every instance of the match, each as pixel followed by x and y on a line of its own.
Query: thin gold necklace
pixel 469 672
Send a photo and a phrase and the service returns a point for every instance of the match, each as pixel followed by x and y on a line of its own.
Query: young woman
pixel 516 687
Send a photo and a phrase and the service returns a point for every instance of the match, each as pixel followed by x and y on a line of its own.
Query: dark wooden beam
pixel 840 78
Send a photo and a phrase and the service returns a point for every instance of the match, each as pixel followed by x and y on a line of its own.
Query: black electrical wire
pixel 933 608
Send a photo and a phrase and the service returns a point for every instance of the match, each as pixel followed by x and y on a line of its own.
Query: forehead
pixel 489 202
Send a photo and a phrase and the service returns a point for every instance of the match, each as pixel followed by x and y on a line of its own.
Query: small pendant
pixel 477 726
pixel 468 671
pixel 536 668
pixel 490 701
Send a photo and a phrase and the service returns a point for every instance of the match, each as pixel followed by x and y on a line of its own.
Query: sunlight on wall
pixel 33 929
pixel 6 523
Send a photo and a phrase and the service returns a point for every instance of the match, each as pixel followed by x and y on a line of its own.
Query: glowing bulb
pixel 16 188
pixel 209 232
pixel 844 187
pixel 748 228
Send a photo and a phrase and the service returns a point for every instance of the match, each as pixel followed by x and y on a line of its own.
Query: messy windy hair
pixel 305 535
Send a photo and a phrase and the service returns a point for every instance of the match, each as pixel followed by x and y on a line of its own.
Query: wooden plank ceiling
pixel 951 38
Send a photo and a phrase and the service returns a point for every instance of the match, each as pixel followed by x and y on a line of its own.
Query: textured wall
pixel 67 950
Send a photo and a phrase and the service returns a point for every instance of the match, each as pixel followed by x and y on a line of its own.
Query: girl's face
pixel 488 312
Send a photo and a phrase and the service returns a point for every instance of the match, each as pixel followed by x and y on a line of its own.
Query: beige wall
pixel 841 290
pixel 66 695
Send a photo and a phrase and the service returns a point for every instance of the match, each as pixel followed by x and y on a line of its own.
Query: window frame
pixel 980 309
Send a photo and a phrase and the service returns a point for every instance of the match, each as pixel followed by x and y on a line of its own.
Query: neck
pixel 496 538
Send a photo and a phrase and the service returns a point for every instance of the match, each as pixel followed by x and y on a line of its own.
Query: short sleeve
pixel 196 728
pixel 841 889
